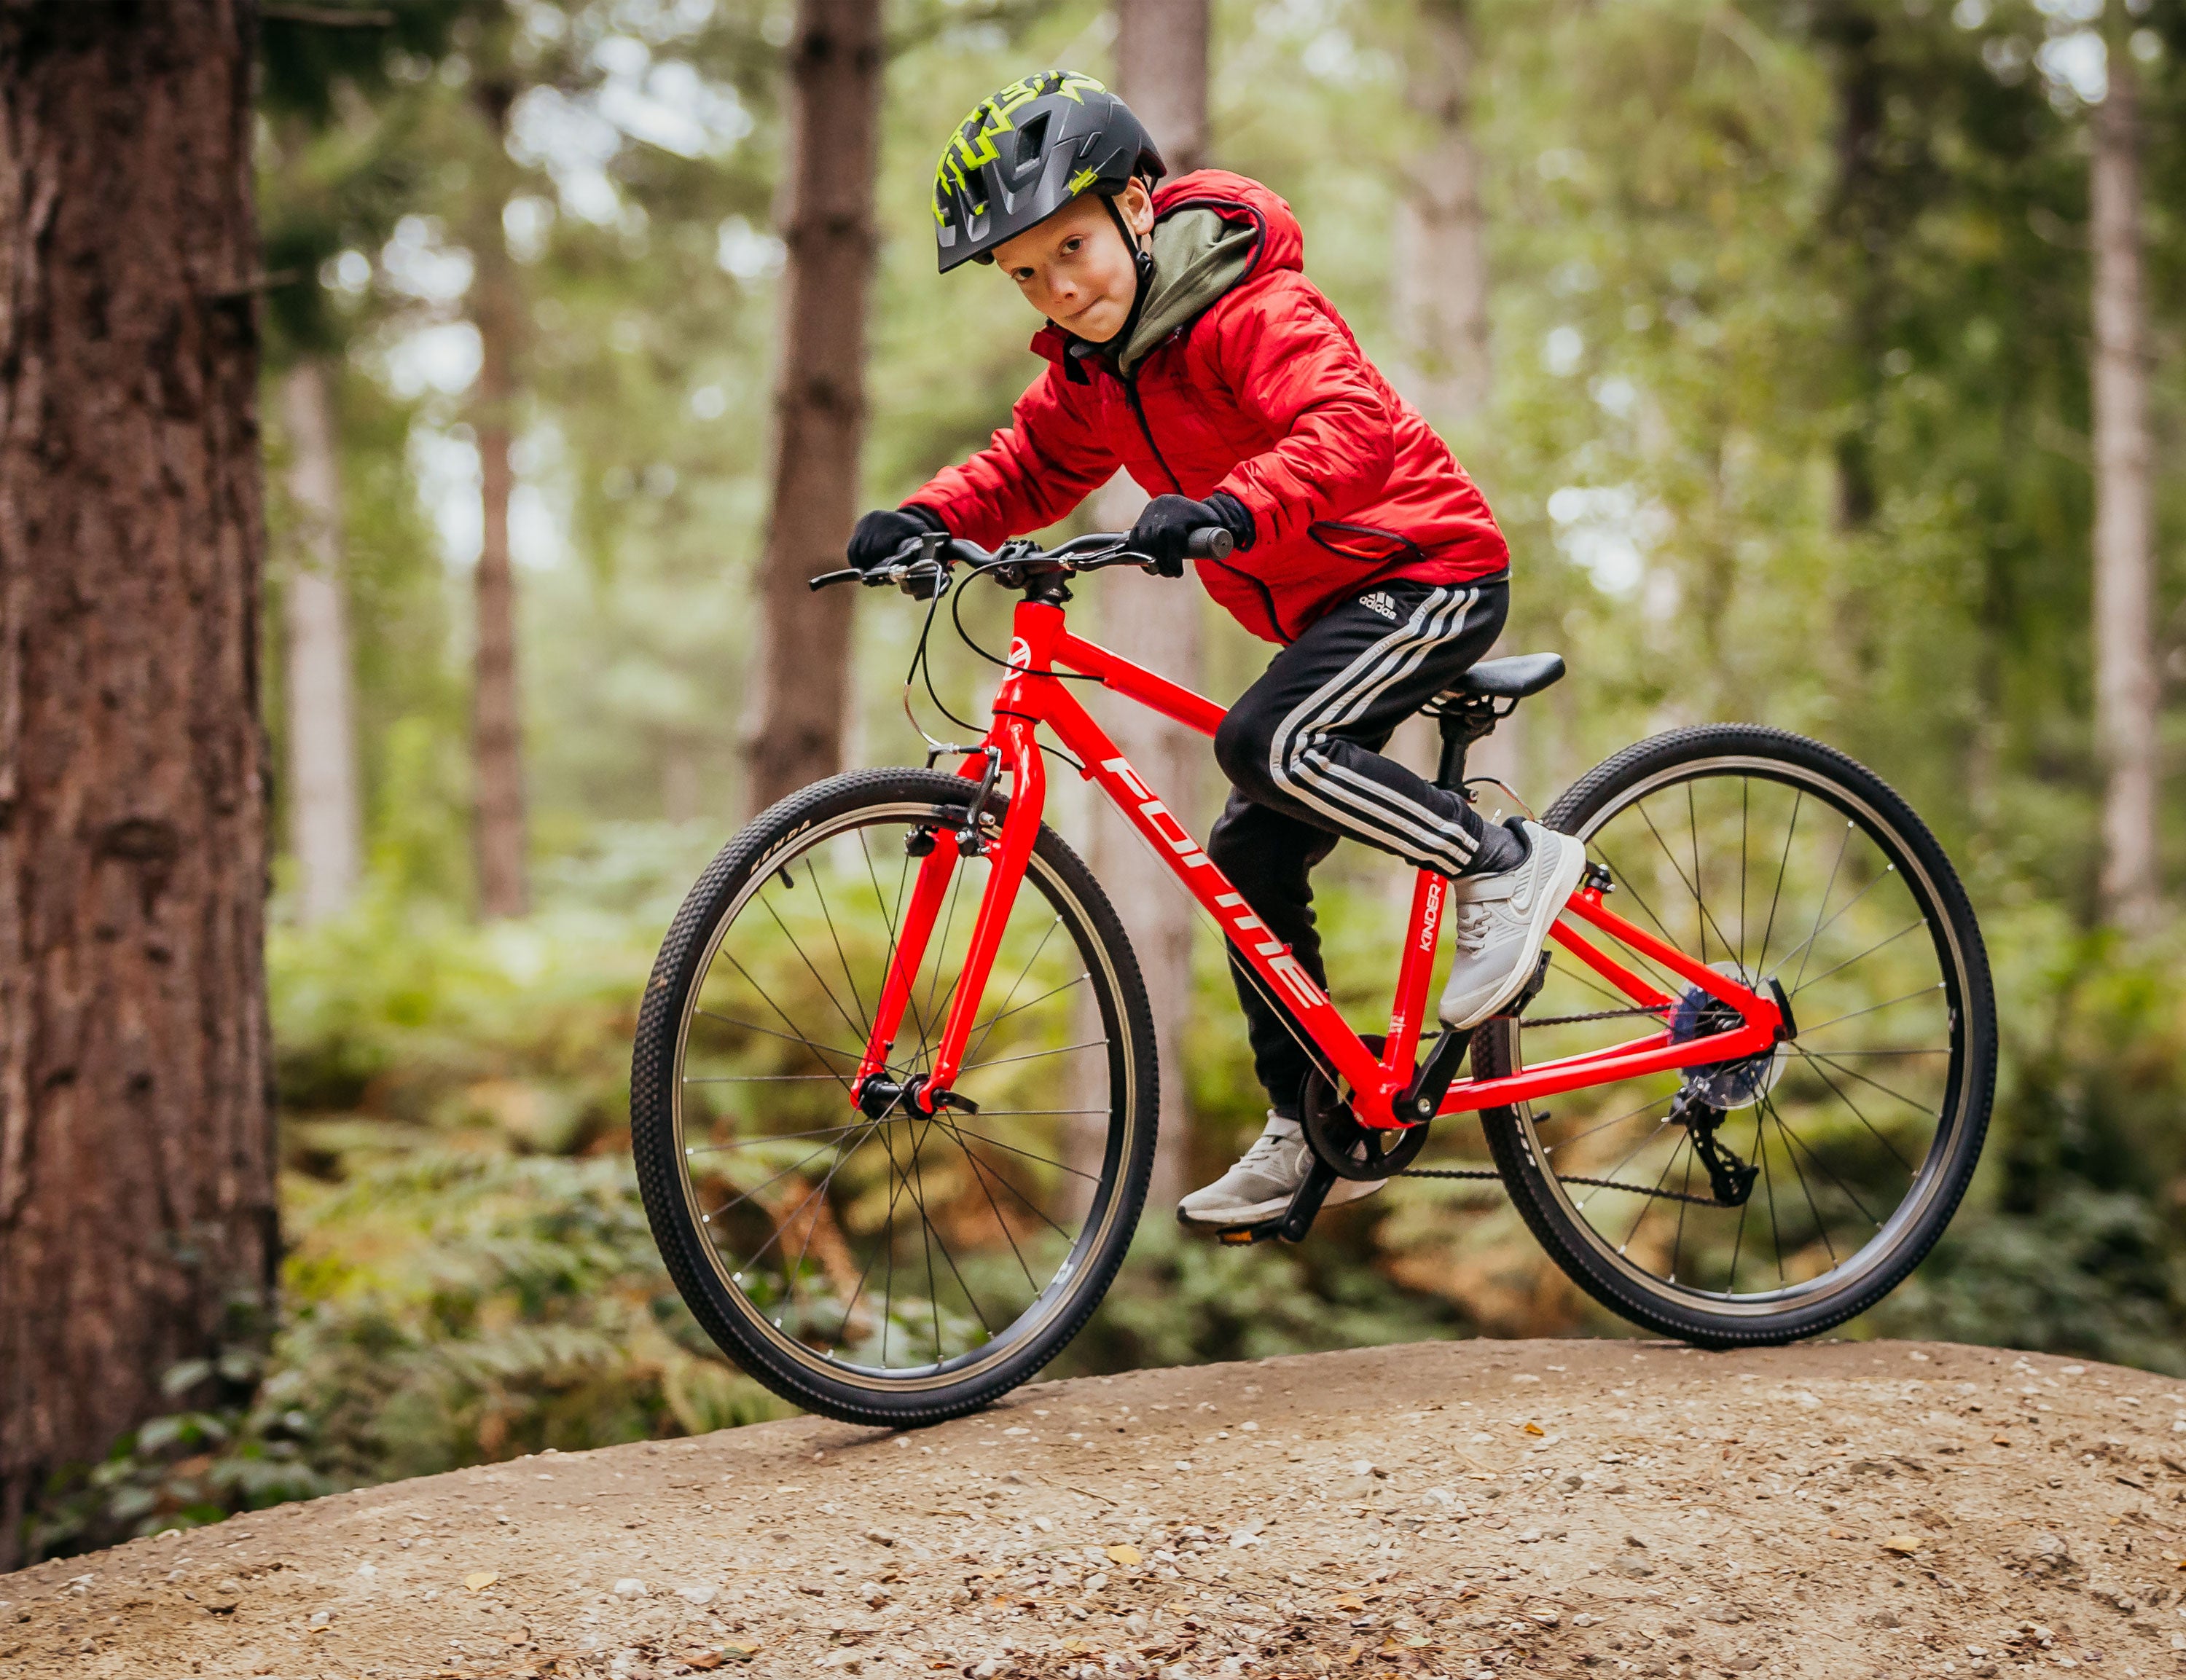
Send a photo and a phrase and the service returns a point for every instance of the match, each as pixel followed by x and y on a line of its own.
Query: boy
pixel 1184 343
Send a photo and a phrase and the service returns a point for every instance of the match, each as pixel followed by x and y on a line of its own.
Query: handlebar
pixel 924 561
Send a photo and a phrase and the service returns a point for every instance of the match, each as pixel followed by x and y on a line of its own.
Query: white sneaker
pixel 1261 1185
pixel 1501 922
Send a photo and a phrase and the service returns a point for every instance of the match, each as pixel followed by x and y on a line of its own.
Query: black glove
pixel 1166 523
pixel 881 533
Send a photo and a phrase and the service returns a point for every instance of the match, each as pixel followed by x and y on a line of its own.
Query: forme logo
pixel 1020 658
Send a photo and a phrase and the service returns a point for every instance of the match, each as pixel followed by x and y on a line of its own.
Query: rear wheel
pixel 905 1268
pixel 1768 1199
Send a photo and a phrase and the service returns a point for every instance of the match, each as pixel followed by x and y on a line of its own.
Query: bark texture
pixel 137 1206
pixel 1440 283
pixel 1440 239
pixel 498 828
pixel 325 826
pixel 2126 693
pixel 1161 59
pixel 796 723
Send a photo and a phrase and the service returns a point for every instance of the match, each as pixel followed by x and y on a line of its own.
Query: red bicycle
pixel 894 1091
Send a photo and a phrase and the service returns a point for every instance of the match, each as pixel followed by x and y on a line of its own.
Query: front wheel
pixel 905 1267
pixel 1768 1199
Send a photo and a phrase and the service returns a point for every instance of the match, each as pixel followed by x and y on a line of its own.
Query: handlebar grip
pixel 1210 542
pixel 848 575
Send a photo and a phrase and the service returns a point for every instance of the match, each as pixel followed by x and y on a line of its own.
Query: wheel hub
pixel 1722 1084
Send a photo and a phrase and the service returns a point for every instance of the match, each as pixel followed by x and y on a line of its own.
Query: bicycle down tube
pixel 1032 695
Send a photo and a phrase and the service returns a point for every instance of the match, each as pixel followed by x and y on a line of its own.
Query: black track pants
pixel 1301 749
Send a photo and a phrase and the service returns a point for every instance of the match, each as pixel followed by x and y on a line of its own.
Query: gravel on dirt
pixel 1610 1508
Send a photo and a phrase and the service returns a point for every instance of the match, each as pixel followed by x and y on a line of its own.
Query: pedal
pixel 1291 1224
pixel 1517 1006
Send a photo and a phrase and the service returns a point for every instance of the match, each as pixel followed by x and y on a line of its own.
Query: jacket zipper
pixel 1130 385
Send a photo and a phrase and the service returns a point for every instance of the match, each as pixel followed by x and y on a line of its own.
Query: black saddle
pixel 1511 679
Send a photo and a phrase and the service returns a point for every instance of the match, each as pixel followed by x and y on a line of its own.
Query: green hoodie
pixel 1197 257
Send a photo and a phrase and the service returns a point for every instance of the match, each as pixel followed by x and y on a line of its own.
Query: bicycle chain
pixel 1598 1015
pixel 1476 1172
pixel 1597 1184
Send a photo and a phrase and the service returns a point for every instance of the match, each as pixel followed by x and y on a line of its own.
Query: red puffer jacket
pixel 1266 395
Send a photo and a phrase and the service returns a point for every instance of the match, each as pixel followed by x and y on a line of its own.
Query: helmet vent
pixel 1032 141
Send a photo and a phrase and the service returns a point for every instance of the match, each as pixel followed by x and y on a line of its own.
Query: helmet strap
pixel 1142 261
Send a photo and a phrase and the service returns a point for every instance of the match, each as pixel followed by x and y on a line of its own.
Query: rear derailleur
pixel 1729 1177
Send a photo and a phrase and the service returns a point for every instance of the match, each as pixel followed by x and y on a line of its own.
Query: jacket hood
pixel 1237 200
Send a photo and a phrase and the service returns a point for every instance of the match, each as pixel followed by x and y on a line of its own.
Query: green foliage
pixel 445 1305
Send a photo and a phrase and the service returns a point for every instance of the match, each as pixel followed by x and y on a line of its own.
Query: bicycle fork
pixel 871 1089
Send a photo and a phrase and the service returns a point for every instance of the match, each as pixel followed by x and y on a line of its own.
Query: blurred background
pixel 1821 359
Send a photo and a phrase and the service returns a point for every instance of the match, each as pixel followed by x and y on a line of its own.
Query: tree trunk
pixel 1859 220
pixel 496 707
pixel 325 828
pixel 795 732
pixel 2125 690
pixel 1441 241
pixel 1160 58
pixel 136 1204
pixel 1441 297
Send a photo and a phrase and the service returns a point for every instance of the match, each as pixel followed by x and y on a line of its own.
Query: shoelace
pixel 1470 926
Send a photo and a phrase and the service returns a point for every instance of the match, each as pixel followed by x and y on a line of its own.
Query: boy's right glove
pixel 881 533
pixel 1166 524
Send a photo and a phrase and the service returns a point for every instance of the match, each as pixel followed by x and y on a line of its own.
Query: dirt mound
pixel 1849 1509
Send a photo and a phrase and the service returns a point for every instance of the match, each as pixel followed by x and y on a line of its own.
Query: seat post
pixel 1462 725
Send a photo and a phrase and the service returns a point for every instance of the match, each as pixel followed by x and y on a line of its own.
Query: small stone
pixel 629 1587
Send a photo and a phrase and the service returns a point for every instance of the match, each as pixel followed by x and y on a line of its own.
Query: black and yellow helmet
pixel 1026 151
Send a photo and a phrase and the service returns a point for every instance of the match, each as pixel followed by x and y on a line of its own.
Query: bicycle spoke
pixel 1703 920
pixel 917 1194
pixel 1807 944
pixel 1045 1161
pixel 1854 1073
pixel 851 1056
pixel 1821 1225
pixel 1887 874
pixel 1629 1114
pixel 887 1241
pixel 795 1030
pixel 1744 816
pixel 1822 1165
pixel 849 979
pixel 980 1173
pixel 1001 1178
pixel 979 1043
pixel 1854 1015
pixel 1891 940
pixel 827 990
pixel 1647 1201
pixel 1871 1125
pixel 759 1079
pixel 1783 863
pixel 1033 1056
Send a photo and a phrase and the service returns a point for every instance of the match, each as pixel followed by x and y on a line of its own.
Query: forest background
pixel 1780 386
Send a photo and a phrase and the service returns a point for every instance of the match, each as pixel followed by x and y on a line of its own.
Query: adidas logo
pixel 1380 602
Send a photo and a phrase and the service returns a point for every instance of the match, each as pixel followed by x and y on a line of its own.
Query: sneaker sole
pixel 1254 1212
pixel 1550 906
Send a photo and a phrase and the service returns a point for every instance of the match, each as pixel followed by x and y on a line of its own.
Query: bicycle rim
pixel 1793 1189
pixel 903 1254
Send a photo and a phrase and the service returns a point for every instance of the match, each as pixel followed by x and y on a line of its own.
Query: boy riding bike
pixel 1185 345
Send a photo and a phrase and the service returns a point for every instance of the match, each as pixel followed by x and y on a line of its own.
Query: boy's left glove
pixel 1166 523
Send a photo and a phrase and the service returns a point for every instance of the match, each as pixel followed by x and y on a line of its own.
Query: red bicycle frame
pixel 1032 695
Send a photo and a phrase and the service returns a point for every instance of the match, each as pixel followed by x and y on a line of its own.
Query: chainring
pixel 1340 1144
